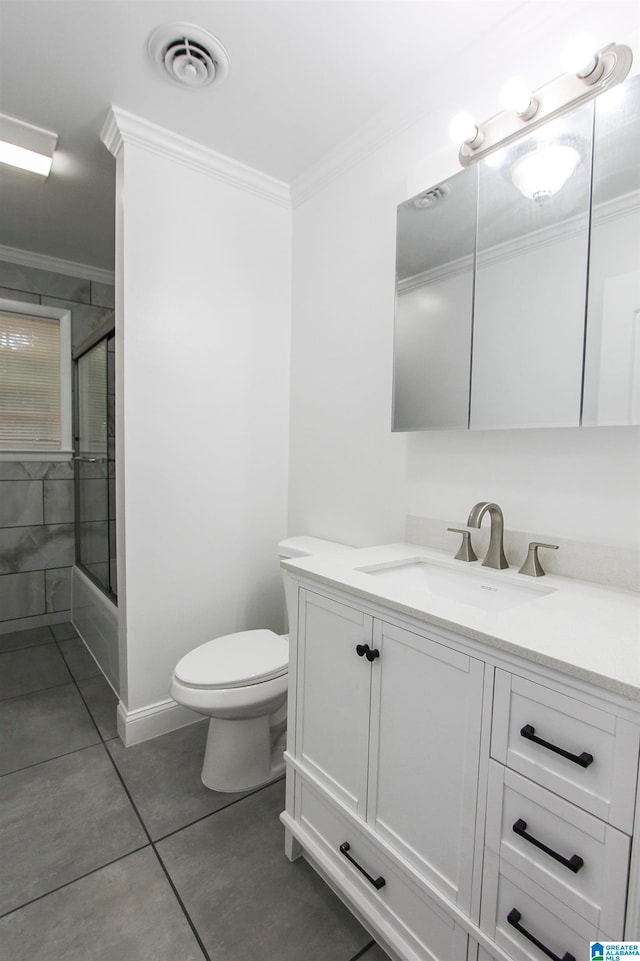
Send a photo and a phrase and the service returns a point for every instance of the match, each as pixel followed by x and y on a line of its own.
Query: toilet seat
pixel 235 660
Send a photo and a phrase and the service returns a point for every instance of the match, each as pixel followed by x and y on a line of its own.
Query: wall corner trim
pixel 121 128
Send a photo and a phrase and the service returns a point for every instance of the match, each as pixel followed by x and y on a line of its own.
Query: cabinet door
pixel 334 685
pixel 424 757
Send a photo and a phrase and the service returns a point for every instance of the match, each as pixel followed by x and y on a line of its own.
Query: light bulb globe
pixel 515 95
pixel 543 172
pixel 578 54
pixel 463 128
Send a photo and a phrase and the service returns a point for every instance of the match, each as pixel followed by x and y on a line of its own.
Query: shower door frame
pixel 106 332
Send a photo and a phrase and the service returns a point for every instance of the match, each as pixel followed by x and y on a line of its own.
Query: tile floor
pixel 113 853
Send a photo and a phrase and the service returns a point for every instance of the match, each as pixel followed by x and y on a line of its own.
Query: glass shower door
pixel 95 464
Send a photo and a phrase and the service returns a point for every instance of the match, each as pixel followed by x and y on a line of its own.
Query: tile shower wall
pixel 36 497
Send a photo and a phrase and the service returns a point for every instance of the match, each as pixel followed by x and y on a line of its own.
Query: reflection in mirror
pixel 434 299
pixel 531 274
pixel 612 362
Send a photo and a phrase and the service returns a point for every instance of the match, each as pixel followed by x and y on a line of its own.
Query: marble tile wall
pixel 37 546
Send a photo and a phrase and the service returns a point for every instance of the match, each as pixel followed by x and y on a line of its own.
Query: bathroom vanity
pixel 462 759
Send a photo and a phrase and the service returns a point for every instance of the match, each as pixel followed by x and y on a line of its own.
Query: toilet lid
pixel 235 660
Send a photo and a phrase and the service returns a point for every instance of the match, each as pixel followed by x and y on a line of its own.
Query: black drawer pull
pixel 378 883
pixel 363 650
pixel 574 863
pixel 584 759
pixel 514 917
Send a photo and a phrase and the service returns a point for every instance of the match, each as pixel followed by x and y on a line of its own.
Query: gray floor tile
pixel 163 777
pixel 124 912
pixel 246 899
pixel 78 659
pixel 29 638
pixel 63 631
pixel 44 725
pixel 102 703
pixel 59 820
pixel 31 669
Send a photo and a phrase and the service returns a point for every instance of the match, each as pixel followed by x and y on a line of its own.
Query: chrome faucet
pixel 495 555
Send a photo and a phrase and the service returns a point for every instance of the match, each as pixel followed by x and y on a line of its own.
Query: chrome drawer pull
pixel 574 863
pixel 377 882
pixel 514 917
pixel 584 759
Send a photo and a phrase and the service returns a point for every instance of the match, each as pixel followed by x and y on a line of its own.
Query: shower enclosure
pixel 95 463
pixel 94 586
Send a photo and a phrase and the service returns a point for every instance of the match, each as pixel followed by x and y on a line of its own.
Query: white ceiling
pixel 305 75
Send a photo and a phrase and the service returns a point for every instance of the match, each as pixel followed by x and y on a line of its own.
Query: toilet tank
pixel 304 546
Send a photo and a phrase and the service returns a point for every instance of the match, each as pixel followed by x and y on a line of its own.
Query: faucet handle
pixel 465 551
pixel 532 565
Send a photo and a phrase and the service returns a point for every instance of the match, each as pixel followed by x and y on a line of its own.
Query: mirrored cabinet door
pixel 531 278
pixel 612 361
pixel 434 301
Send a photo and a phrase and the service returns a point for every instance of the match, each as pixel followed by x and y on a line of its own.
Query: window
pixel 35 380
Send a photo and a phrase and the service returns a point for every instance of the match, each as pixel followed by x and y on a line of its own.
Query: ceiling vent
pixel 188 55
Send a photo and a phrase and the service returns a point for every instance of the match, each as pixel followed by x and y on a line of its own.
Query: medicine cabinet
pixel 518 282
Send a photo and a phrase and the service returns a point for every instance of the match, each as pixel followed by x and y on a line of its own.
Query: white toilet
pixel 240 682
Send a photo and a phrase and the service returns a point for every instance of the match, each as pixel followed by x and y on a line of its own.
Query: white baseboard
pixel 152 720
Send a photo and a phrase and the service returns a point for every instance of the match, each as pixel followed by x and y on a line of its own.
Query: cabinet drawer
pixel 598 763
pixel 591 878
pixel 398 902
pixel 515 911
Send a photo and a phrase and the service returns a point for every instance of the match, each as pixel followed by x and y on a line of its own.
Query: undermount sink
pixel 487 592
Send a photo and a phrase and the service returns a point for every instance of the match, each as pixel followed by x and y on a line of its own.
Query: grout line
pixel 217 810
pixel 364 950
pixel 182 904
pixel 67 884
pixel 87 747
pixel 146 831
pixel 56 757
pixel 151 843
pixel 38 690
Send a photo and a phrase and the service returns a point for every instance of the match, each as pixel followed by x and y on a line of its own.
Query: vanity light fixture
pixel 25 146
pixel 589 73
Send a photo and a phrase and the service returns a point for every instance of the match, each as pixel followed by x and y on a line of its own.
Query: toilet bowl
pixel 240 682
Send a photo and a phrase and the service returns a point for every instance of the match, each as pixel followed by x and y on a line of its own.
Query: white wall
pixel 202 396
pixel 350 478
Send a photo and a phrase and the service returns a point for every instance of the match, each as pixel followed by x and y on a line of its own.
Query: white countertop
pixel 582 629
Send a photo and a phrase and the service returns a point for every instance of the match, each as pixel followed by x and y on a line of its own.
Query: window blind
pixel 30 414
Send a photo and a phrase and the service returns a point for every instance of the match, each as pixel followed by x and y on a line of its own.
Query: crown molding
pixel 29 258
pixel 121 127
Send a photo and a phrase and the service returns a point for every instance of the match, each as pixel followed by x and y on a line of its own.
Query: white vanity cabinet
pixel 560 812
pixel 464 806
pixel 385 757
